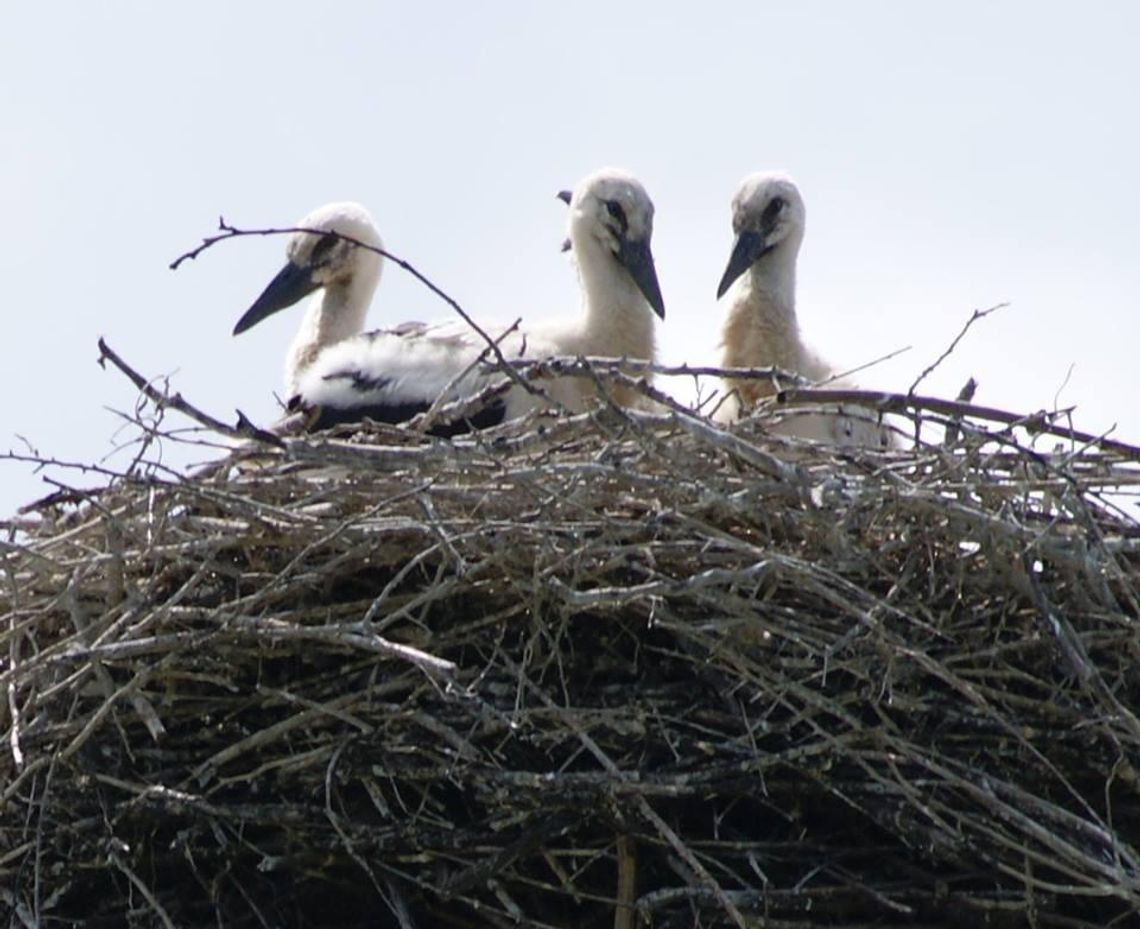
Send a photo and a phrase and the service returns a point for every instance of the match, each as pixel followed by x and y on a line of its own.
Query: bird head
pixel 767 217
pixel 324 253
pixel 610 209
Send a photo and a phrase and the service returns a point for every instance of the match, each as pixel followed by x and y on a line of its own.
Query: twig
pixel 14 725
pixel 849 372
pixel 361 638
pixel 974 317
pixel 582 364
pixel 1064 384
pixel 626 882
pixel 424 421
pixel 900 403
pixel 49 462
pixel 449 410
pixel 142 888
pixel 244 429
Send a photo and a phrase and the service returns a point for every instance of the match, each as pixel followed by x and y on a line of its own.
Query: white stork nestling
pixel 760 329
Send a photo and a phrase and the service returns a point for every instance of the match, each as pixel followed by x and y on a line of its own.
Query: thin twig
pixel 244 429
pixel 141 887
pixel 1040 422
pixel 974 317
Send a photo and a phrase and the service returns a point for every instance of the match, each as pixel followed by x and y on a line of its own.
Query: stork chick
pixel 760 329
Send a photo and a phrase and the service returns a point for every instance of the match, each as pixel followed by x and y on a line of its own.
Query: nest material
pixel 615 670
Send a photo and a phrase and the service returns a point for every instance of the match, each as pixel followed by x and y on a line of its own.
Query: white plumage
pixel 391 374
pixel 760 329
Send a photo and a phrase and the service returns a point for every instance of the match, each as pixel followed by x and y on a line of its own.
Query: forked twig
pixel 244 429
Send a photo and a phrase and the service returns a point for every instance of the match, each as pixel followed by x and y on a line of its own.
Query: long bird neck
pixel 618 320
pixel 761 329
pixel 336 312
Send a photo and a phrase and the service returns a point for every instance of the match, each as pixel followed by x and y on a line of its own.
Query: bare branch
pixel 1040 422
pixel 244 429
pixel 974 317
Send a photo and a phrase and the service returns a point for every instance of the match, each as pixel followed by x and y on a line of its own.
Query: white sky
pixel 952 156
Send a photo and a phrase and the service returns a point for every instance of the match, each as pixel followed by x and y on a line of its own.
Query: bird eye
pixel 617 214
pixel 772 211
pixel 323 249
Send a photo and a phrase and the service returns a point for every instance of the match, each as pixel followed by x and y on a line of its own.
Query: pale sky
pixel 952 156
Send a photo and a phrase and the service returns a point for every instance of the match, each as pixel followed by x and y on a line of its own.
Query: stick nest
pixel 620 669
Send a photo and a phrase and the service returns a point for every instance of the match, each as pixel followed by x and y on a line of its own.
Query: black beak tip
pixel 745 250
pixel 656 301
pixel 652 291
pixel 564 196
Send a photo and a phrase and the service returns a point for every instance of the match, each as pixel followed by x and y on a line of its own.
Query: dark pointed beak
pixel 746 249
pixel 637 259
pixel 290 285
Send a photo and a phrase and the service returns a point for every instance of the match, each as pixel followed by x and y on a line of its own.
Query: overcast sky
pixel 952 156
